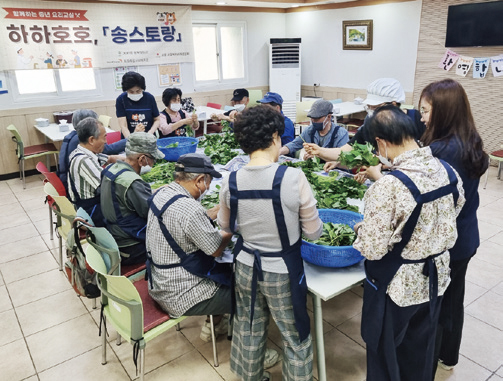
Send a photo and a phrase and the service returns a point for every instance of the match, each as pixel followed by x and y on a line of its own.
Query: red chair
pixel 214 105
pixel 113 137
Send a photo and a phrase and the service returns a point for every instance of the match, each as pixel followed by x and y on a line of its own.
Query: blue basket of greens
pixel 173 148
pixel 334 256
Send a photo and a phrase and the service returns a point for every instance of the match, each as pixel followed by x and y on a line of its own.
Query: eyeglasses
pixel 423 111
pixel 151 158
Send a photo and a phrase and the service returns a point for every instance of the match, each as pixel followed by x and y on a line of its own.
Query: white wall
pixel 260 28
pixel 396 32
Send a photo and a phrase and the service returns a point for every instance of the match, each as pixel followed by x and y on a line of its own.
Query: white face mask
pixel 145 169
pixel 202 194
pixel 239 107
pixel 135 97
pixel 384 160
pixel 175 106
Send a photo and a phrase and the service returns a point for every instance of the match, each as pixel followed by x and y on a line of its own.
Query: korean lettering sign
pixel 96 35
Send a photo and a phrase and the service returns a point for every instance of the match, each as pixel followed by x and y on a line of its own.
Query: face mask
pixel 201 195
pixel 370 113
pixel 239 107
pixel 175 106
pixel 319 126
pixel 135 97
pixel 145 169
pixel 384 160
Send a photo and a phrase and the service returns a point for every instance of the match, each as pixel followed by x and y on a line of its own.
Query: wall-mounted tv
pixel 479 24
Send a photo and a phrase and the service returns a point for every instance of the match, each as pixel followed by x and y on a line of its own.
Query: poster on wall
pixel 169 75
pixel 119 72
pixel 480 67
pixel 50 35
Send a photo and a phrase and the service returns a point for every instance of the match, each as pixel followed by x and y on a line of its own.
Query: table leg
pixel 320 343
pixel 205 128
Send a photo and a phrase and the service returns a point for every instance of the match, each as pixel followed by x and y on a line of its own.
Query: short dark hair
pixel 274 104
pixel 169 94
pixel 255 126
pixel 390 123
pixel 132 79
pixel 88 127
pixel 81 114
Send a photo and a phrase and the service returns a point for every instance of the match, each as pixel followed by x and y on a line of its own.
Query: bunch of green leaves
pixel 361 155
pixel 212 199
pixel 160 174
pixel 331 193
pixel 307 166
pixel 172 145
pixel 220 154
pixel 335 235
pixel 219 147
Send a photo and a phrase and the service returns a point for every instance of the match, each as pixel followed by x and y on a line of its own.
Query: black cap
pixel 197 163
pixel 238 94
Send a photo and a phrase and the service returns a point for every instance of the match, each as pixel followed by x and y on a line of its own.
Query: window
pixel 219 51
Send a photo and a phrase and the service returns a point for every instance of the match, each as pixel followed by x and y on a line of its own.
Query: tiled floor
pixel 48 333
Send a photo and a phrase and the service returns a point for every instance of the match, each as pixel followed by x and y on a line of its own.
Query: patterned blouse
pixel 388 205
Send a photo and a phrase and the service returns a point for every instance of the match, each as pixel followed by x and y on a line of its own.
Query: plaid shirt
pixel 175 289
pixel 85 172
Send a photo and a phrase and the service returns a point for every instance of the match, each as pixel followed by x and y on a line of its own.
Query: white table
pixel 346 108
pixel 52 132
pixel 325 283
pixel 203 115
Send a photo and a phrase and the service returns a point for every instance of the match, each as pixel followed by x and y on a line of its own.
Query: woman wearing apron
pixel 270 206
pixel 408 228
pixel 452 136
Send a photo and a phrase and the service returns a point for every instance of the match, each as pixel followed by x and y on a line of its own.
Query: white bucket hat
pixel 384 90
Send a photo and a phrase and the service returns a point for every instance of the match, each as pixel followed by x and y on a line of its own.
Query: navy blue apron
pixel 332 138
pixel 90 205
pixel 181 131
pixel 132 225
pixel 289 253
pixel 380 273
pixel 197 263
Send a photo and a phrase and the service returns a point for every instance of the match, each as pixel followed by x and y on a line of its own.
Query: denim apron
pixel 197 263
pixel 289 253
pixel 380 273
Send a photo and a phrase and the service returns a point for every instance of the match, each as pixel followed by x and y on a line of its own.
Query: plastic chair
pixel 30 152
pixel 105 120
pixel 255 95
pixel 498 156
pixel 132 312
pixel 113 137
pixel 58 186
pixel 214 105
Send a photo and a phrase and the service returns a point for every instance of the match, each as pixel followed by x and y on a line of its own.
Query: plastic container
pixel 63 115
pixel 42 122
pixel 185 145
pixel 333 256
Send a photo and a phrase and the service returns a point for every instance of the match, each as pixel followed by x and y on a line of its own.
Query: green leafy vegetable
pixel 212 199
pixel 160 174
pixel 219 147
pixel 172 145
pixel 361 155
pixel 336 235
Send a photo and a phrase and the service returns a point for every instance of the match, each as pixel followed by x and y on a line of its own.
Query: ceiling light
pixel 294 5
pixel 221 3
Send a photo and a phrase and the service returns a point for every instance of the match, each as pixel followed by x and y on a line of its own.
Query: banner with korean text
pixel 44 35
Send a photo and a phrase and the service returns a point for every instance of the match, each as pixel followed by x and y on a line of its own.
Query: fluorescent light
pixel 221 3
pixel 294 5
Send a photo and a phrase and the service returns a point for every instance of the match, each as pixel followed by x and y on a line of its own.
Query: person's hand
pixel 113 159
pixel 214 117
pixel 139 128
pixel 329 165
pixel 308 156
pixel 233 114
pixel 374 173
pixel 360 177
pixel 187 121
pixel 213 212
pixel 312 149
pixel 194 118
pixel 357 227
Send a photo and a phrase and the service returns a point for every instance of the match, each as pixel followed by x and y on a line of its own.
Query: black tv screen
pixel 479 24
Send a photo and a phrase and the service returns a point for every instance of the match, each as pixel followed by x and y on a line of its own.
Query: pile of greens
pixel 212 199
pixel 161 174
pixel 219 147
pixel 336 235
pixel 361 155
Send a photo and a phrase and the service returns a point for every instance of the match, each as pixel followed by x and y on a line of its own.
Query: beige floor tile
pixel 498 239
pixel 500 371
pixel 483 274
pixel 68 340
pixel 27 267
pixel 5 303
pixel 12 220
pixel 498 289
pixel 16 234
pixel 341 308
pixel 50 311
pixel 159 351
pixel 486 199
pixel 345 359
pixel 9 327
pixel 13 208
pixel 358 290
pixel 16 363
pixel 473 292
pixel 86 367
pixel 21 249
pixel 8 198
pixel 38 215
pixel 190 366
pixel 352 329
pixel 488 230
pixel 34 181
pixel 491 213
pixel 2 283
pixel 4 188
pixel 38 287
pixel 495 377
pixel 491 251
pixel 191 328
pixel 465 370
pixel 35 203
pixel 35 193
pixel 52 243
pixel 482 343
pixel 489 309
pixel 32 378
pixel 44 227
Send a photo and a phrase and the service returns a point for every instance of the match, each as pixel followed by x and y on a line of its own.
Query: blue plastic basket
pixel 185 145
pixel 333 256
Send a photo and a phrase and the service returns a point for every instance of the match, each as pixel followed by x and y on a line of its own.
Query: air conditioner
pixel 284 71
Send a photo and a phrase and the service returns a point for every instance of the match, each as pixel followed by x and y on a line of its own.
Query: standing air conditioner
pixel 284 72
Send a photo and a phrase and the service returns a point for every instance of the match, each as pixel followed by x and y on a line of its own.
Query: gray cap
pixel 197 163
pixel 143 142
pixel 320 108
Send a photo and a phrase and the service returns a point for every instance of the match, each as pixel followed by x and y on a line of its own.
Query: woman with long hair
pixel 452 136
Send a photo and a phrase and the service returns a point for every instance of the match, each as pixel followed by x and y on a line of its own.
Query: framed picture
pixel 357 35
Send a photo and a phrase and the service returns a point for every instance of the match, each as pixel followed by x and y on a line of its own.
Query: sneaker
pixel 266 377
pixel 220 328
pixel 444 366
pixel 271 358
